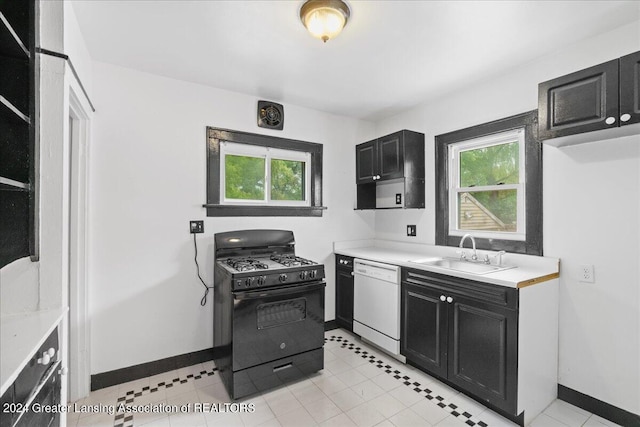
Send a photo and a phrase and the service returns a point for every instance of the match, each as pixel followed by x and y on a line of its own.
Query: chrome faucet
pixel 474 257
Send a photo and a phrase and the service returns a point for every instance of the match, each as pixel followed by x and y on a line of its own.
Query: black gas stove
pixel 268 311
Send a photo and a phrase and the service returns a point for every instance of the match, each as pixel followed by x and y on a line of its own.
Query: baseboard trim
pixel 598 407
pixel 330 325
pixel 131 373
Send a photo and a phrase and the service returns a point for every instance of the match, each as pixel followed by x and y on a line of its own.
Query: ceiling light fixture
pixel 324 18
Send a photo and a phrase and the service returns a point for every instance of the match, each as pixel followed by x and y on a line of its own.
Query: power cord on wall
pixel 203 301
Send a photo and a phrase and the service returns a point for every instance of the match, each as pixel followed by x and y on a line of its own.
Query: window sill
pixel 231 210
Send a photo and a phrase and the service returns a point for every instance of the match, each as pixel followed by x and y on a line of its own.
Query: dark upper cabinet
pixel 464 332
pixel 344 292
pixel 630 88
pixel 397 158
pixel 600 97
pixel 18 100
pixel 381 159
pixel 366 162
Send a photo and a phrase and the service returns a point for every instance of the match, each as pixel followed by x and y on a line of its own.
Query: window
pixel 489 184
pixel 486 196
pixel 251 174
pixel 260 175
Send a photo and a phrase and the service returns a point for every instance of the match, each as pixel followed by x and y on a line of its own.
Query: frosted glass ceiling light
pixel 324 18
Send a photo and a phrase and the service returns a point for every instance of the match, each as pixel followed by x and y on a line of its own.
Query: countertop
pixel 529 270
pixel 20 336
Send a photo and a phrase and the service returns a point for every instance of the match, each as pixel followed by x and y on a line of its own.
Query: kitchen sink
pixel 459 265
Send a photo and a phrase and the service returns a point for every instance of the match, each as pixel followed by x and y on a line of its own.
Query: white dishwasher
pixel 376 304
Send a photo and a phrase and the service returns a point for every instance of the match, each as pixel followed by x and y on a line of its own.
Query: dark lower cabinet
pixel 36 391
pixel 344 292
pixel 464 332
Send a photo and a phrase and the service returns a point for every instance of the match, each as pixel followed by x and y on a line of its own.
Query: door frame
pixel 78 121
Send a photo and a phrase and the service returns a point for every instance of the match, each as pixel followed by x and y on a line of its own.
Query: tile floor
pixel 360 386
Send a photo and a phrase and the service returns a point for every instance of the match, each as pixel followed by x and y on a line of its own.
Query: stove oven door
pixel 275 323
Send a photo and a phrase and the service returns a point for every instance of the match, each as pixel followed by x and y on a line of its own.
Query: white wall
pixel 588 191
pixel 148 179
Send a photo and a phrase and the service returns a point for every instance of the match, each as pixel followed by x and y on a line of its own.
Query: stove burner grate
pixel 289 260
pixel 246 264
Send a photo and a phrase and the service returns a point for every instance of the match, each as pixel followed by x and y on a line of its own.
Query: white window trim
pixel 454 189
pixel 267 153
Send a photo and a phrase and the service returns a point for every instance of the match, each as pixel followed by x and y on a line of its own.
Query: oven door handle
pixel 265 293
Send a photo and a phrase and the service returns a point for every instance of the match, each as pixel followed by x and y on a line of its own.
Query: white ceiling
pixel 391 56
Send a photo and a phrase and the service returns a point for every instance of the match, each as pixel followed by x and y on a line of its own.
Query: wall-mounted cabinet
pixel 18 124
pixel 390 171
pixel 602 97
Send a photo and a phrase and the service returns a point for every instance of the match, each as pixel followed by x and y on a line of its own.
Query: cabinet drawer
pixel 274 374
pixel 34 372
pixel 493 294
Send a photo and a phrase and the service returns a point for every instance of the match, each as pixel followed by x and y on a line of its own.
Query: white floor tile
pixel 351 377
pixel 282 402
pixel 387 405
pixel 347 399
pixel 341 420
pixel 365 415
pixel 322 409
pixel 368 390
pixel 309 394
pixel 330 385
pixel 544 420
pixel 452 421
pixel 386 381
pixel 567 414
pixel 596 421
pixel 297 418
pixel 408 418
pixel 430 411
pixel 260 415
pixel 161 422
pixel 188 419
pixel 406 395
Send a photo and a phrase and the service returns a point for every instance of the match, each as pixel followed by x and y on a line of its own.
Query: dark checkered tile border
pixel 126 419
pixel 451 408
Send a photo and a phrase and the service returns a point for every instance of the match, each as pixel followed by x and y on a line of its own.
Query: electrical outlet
pixel 411 230
pixel 196 227
pixel 398 198
pixel 585 274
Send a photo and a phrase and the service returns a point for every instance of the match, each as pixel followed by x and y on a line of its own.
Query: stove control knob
pixel 247 282
pixel 283 278
pixel 261 280
pixel 303 275
pixel 313 274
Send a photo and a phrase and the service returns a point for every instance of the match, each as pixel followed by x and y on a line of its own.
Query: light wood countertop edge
pixel 537 280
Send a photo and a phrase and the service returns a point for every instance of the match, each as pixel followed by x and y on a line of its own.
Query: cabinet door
pixel 482 354
pixel 391 156
pixel 344 298
pixel 579 102
pixel 366 162
pixel 424 328
pixel 630 89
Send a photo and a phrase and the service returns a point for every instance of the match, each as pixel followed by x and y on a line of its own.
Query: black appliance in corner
pixel 268 311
